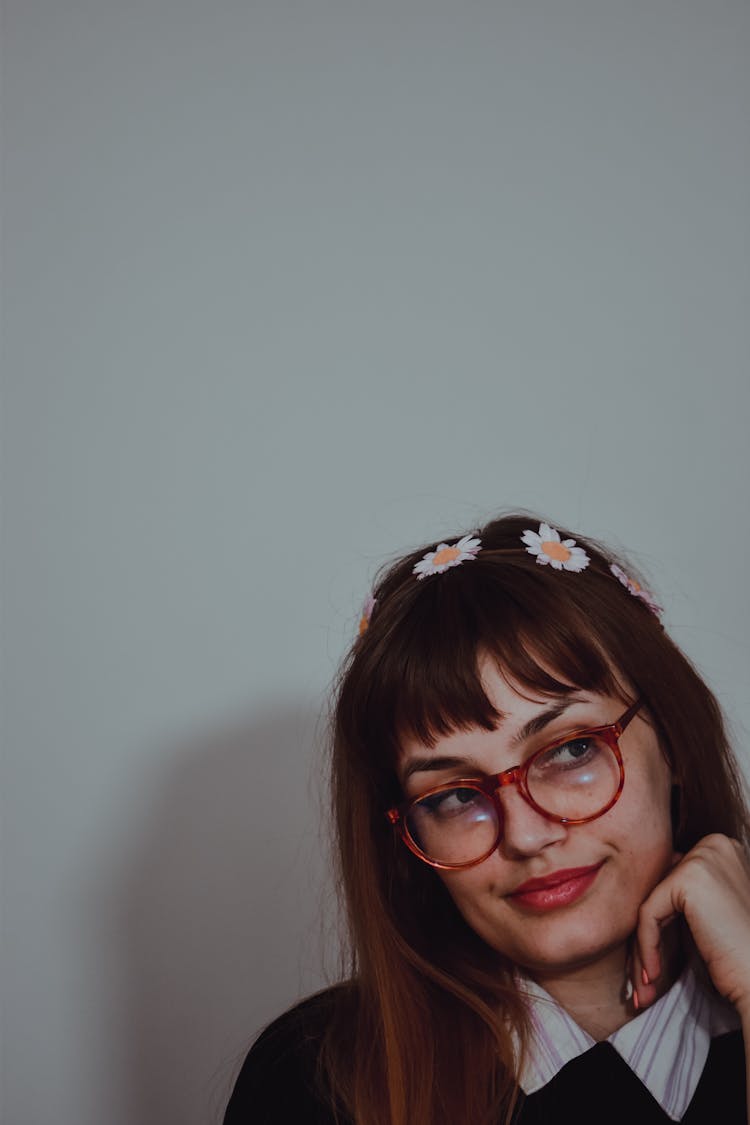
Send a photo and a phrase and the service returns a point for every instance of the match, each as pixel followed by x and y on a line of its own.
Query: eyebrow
pixel 543 719
pixel 534 725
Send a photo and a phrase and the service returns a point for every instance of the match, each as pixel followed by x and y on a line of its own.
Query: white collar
pixel 666 1046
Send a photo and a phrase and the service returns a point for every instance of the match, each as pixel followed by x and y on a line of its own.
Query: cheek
pixel 477 891
pixel 637 833
pixel 641 822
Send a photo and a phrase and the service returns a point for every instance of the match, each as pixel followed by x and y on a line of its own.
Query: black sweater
pixel 276 1085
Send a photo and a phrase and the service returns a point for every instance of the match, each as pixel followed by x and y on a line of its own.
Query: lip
pixel 558 889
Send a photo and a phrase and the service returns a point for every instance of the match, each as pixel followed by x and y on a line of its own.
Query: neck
pixel 594 994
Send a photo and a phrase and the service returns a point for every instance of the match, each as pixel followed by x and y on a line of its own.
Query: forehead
pixel 429 680
pixel 515 702
pixel 523 715
pixel 504 691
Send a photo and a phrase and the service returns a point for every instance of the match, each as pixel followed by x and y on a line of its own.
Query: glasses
pixel 571 781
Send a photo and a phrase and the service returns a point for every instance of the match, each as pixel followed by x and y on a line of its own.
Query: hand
pixel 710 888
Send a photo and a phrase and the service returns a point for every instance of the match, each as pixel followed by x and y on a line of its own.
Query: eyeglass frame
pixel 492 784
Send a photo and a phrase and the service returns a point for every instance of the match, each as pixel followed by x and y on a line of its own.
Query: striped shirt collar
pixel 666 1046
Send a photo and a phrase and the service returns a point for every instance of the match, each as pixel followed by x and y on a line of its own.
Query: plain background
pixel 290 287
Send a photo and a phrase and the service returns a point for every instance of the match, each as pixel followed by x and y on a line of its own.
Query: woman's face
pixel 632 842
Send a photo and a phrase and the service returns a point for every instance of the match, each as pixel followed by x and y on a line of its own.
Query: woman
pixel 542 843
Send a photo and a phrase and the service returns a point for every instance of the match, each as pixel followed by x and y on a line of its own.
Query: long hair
pixel 429 1030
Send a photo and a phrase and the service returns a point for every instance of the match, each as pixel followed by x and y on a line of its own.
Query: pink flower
pixel 636 589
pixel 367 608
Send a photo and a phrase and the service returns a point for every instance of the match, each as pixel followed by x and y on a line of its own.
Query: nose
pixel 525 831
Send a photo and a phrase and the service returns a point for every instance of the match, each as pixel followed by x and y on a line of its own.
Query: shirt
pixel 666 1046
pixel 278 1083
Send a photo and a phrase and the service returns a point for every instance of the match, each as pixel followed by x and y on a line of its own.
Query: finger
pixel 659 909
pixel 644 990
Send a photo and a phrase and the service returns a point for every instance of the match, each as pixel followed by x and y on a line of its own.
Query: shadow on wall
pixel 220 912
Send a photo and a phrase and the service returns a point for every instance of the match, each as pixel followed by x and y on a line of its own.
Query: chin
pixel 566 956
pixel 564 945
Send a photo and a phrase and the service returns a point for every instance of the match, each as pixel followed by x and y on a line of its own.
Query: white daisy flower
pixel 636 589
pixel 447 555
pixel 549 548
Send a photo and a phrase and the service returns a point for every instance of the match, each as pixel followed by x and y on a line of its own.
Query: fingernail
pixel 628 989
pixel 636 1002
pixel 644 975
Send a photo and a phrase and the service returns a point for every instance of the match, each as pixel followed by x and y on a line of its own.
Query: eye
pixel 450 802
pixel 570 755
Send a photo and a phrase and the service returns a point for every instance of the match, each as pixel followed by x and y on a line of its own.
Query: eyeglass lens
pixel 575 781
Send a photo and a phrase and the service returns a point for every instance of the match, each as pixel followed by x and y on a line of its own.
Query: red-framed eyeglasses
pixel 572 780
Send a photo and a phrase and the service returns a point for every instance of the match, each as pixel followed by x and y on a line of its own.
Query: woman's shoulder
pixel 301 1028
pixel 279 1080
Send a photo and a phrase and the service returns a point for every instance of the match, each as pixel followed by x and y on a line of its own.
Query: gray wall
pixel 288 287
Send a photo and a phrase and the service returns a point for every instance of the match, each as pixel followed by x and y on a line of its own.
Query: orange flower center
pixel 555 550
pixel 448 554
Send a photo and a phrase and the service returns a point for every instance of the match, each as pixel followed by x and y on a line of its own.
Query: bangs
pixel 427 681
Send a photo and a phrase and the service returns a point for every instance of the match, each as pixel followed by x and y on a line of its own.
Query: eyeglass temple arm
pixel 629 714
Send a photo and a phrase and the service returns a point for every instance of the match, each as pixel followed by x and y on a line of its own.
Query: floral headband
pixel 546 544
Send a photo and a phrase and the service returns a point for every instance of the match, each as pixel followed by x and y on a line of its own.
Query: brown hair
pixel 422 1035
